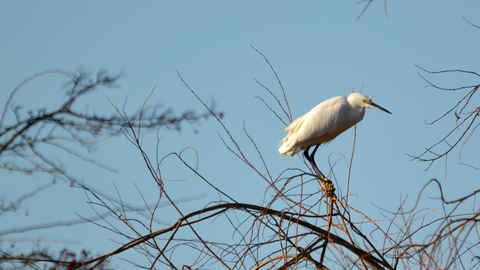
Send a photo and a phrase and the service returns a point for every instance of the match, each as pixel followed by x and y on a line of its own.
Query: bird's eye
pixel 365 101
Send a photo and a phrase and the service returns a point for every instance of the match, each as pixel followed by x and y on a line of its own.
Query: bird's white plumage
pixel 325 122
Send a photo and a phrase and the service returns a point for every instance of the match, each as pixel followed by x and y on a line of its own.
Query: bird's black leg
pixel 314 151
pixel 311 159
pixel 327 184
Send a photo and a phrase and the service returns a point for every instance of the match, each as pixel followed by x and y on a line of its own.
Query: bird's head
pixel 363 101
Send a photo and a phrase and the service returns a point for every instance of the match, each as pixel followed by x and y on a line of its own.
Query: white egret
pixel 324 123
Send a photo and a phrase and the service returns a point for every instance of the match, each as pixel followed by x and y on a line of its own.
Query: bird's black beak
pixel 380 107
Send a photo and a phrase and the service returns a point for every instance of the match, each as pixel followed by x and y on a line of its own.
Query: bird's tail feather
pixel 289 145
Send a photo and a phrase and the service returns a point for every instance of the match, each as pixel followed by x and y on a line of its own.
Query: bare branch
pixel 460 109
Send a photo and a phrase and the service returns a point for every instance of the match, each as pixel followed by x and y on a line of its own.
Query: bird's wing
pixel 324 119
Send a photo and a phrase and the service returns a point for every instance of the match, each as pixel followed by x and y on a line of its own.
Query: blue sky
pixel 319 50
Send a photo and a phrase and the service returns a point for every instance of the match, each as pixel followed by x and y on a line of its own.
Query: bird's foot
pixel 329 187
